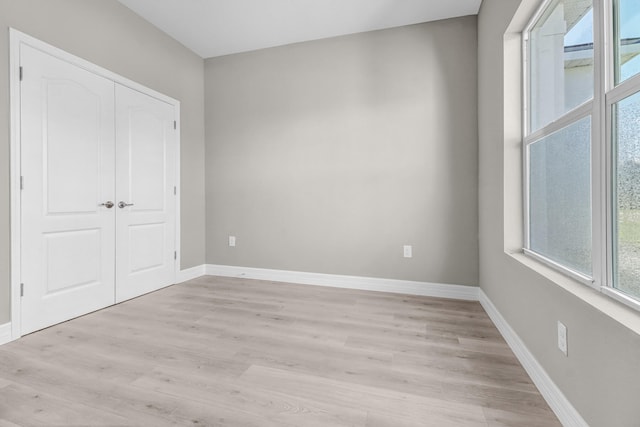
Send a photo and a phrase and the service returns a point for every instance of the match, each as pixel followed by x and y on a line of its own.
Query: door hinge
pixel 175 254
pixel 175 190
pixel 175 124
pixel 21 182
pixel 21 73
pixel 21 289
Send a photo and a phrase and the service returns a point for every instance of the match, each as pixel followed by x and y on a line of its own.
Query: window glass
pixel 559 71
pixel 627 33
pixel 560 196
pixel 560 61
pixel 627 195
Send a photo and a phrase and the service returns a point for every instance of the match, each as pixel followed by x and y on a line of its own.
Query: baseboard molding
pixel 566 413
pixel 5 333
pixel 190 273
pixel 469 293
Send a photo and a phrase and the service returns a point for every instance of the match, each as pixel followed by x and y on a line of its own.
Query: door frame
pixel 16 39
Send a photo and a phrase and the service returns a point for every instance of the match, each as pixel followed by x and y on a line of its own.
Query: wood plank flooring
pixel 233 352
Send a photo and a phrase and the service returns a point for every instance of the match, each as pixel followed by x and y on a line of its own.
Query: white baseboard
pixel 560 405
pixel 469 293
pixel 190 273
pixel 5 333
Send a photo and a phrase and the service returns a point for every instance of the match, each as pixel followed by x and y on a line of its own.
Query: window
pixel 561 72
pixel 582 142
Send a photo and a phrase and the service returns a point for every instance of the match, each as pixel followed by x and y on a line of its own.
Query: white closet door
pixel 67 151
pixel 146 145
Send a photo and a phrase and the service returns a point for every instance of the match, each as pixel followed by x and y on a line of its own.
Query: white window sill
pixel 618 311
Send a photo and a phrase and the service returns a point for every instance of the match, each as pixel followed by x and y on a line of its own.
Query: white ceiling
pixel 221 27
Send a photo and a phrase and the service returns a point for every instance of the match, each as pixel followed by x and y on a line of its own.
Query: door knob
pixel 107 205
pixel 123 205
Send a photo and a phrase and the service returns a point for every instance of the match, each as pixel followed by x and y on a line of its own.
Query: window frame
pixel 606 94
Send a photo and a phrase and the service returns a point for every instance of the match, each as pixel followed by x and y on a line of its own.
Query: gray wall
pixel 329 156
pixel 110 35
pixel 601 375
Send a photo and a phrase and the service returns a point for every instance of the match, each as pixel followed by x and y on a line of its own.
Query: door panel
pixel 148 249
pixel 72 260
pixel 68 153
pixel 147 158
pixel 72 115
pixel 146 149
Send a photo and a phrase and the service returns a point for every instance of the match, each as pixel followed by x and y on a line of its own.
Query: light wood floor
pixel 233 352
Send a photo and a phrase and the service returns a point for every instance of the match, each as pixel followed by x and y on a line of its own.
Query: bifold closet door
pixel 146 152
pixel 67 168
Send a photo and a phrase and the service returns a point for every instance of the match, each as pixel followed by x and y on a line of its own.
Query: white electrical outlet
pixel 562 338
pixel 408 251
pixel 232 240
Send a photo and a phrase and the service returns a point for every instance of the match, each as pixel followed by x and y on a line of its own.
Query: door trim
pixel 16 39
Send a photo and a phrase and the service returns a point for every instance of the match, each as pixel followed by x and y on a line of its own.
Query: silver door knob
pixel 123 205
pixel 107 205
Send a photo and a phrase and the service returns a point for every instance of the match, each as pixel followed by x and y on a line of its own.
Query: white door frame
pixel 16 38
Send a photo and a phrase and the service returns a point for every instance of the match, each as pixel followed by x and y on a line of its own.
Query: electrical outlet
pixel 232 240
pixel 408 251
pixel 562 338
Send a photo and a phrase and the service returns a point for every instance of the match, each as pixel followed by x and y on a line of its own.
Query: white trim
pixel 469 293
pixel 608 45
pixel 526 201
pixel 16 39
pixel 566 413
pixel 177 238
pixel 567 119
pixel 5 333
pixel 16 212
pixel 576 275
pixel 625 89
pixel 598 152
pixel 536 16
pixel 611 225
pixel 621 297
pixel 190 273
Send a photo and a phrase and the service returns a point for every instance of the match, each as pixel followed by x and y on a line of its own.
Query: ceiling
pixel 221 27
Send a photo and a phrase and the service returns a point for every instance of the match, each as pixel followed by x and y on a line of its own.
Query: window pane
pixel 627 29
pixel 560 196
pixel 627 192
pixel 561 61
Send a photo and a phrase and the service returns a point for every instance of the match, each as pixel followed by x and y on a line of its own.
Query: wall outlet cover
pixel 562 338
pixel 408 251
